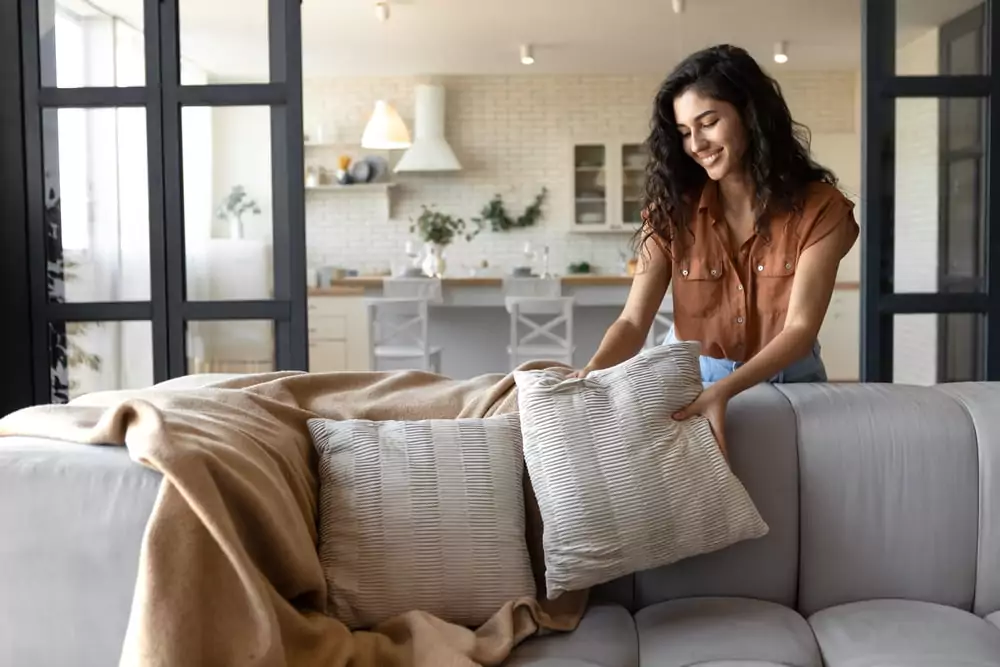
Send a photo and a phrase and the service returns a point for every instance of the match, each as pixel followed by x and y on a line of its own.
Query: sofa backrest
pixel 761 437
pixel 869 490
pixel 889 495
pixel 981 402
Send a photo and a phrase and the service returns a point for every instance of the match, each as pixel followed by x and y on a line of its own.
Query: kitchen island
pixel 473 328
pixel 470 323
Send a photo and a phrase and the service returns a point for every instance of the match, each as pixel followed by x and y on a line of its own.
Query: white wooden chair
pixel 663 321
pixel 399 321
pixel 541 319
pixel 398 331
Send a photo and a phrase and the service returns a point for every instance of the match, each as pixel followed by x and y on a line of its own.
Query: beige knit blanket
pixel 229 572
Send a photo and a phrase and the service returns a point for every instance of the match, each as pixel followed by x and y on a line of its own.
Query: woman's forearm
pixel 622 341
pixel 789 346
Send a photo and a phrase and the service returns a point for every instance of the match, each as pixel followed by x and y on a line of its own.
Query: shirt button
pixel 739 287
pixel 684 272
pixel 760 267
pixel 714 272
pixel 739 320
pixel 788 266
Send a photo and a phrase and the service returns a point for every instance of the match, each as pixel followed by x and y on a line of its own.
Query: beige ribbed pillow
pixel 424 515
pixel 621 486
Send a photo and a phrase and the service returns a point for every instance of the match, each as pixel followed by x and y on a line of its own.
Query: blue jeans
pixel 807 369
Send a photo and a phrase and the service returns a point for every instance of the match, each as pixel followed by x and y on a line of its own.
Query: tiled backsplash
pixel 513 136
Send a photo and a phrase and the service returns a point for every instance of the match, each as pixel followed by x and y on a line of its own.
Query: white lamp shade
pixel 385 129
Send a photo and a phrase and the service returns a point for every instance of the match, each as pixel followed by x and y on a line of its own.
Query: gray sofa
pixel 884 549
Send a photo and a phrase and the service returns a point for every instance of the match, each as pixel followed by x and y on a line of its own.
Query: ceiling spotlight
pixel 780 52
pixel 678 6
pixel 527 58
pixel 382 10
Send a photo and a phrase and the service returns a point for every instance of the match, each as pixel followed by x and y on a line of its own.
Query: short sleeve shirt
pixel 735 302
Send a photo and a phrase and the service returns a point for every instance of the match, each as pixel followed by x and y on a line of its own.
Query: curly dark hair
pixel 777 154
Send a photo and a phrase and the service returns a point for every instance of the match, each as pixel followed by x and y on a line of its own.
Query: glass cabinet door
pixel 590 191
pixel 633 180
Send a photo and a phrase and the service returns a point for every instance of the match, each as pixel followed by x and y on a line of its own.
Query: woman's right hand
pixel 583 372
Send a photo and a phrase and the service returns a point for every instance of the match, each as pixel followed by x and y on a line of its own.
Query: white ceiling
pixel 344 38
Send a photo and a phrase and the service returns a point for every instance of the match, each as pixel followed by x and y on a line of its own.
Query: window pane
pixel 84 45
pixel 230 346
pixel 96 204
pixel 227 203
pixel 940 211
pixel 929 349
pixel 223 42
pixel 99 356
pixel 940 37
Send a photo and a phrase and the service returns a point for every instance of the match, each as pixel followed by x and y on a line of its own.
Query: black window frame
pixel 163 97
pixel 880 89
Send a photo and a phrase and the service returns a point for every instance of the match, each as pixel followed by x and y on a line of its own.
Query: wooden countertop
pixel 357 285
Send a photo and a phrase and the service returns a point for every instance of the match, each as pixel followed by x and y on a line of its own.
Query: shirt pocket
pixel 775 275
pixel 698 290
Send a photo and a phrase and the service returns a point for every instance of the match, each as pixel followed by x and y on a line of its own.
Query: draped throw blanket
pixel 229 572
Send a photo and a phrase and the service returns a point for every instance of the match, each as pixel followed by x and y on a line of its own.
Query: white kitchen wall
pixel 513 136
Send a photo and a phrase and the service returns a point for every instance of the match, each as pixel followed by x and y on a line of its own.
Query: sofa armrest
pixel 71 523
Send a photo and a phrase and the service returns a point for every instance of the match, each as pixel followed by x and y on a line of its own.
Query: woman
pixel 751 230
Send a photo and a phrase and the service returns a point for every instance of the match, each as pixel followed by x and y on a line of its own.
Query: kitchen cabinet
pixel 840 335
pixel 338 334
pixel 608 179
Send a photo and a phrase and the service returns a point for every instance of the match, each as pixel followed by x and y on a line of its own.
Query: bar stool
pixel 663 321
pixel 541 318
pixel 399 322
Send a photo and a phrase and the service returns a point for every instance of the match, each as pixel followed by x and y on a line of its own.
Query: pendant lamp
pixel 385 129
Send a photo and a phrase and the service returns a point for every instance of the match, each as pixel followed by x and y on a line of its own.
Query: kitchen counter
pixel 354 285
pixel 475 281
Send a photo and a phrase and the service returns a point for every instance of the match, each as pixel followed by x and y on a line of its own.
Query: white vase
pixel 434 263
pixel 235 227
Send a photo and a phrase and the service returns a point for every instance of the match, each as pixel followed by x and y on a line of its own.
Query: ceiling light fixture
pixel 678 6
pixel 382 10
pixel 527 57
pixel 781 52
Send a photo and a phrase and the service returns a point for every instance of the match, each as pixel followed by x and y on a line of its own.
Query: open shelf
pixel 354 187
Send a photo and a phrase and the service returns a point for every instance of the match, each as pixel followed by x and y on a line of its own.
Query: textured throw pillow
pixel 421 515
pixel 621 486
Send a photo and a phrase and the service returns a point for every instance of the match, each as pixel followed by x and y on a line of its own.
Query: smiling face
pixel 712 133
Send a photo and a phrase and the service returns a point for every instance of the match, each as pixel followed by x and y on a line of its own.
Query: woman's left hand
pixel 710 404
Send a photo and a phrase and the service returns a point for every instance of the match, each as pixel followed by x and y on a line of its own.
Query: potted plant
pixel 233 207
pixel 437 230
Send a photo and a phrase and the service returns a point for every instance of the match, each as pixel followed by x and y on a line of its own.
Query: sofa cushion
pixel 621 485
pixel 980 400
pixel 904 632
pixel 605 637
pixel 421 515
pixel 761 434
pixel 889 495
pixel 697 631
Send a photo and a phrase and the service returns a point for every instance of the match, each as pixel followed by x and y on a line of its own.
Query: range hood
pixel 430 150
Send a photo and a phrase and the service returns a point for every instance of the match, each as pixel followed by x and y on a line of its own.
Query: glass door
pixel 929 292
pixel 155 247
pixel 962 160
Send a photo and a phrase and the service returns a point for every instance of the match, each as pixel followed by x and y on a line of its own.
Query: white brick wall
pixel 512 135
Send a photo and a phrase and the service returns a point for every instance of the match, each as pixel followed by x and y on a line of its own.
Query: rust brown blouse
pixel 735 302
